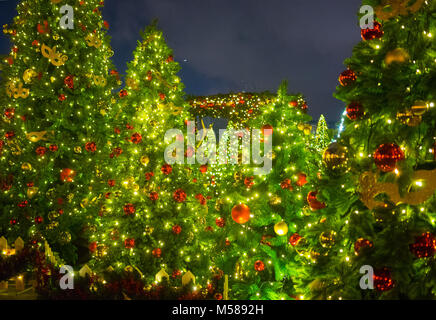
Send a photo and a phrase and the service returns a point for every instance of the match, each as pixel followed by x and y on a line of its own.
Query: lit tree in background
pixel 56 89
pixel 149 212
pixel 379 178
pixel 322 136
pixel 256 218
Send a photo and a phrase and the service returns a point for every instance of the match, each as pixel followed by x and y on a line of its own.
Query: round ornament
pixel 387 156
pixel 241 213
pixel 424 245
pixel 335 157
pixel 348 77
pixel 375 33
pixel 327 239
pixel 355 111
pixel 281 228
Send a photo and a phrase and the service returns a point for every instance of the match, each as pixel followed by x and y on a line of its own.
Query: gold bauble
pixel 275 200
pixel 26 166
pixel 335 157
pixel 65 237
pixel 281 228
pixel 148 230
pixel 145 160
pixel 135 187
pixel 53 215
pixel 78 149
pixel 237 176
pixel 398 55
pixel 327 239
pixel 419 108
pixel 70 197
pixel 32 191
pixel 52 225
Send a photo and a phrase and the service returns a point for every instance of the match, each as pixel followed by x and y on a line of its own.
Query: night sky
pixel 241 45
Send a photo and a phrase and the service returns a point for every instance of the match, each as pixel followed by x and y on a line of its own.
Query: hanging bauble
pixel 39 220
pixel 355 111
pixel 347 77
pixel 248 182
pixel 218 296
pixel 69 81
pixel 26 166
pixel 9 113
pixel 383 280
pixel 123 93
pixel 237 176
pixel 302 179
pixel 335 157
pixel 387 155
pixel 259 265
pixel 78 149
pixel 157 252
pixel 53 148
pixel 375 33
pixel 177 229
pixel 424 245
pixel 241 213
pixel 313 202
pixel 286 185
pixel 362 244
pixel 129 243
pixel 91 146
pixel 153 196
pixel 275 200
pixel 62 97
pixel 65 237
pixel 203 168
pixel 129 209
pixel 327 239
pixel 31 192
pixel 166 169
pixel 398 55
pixel 179 195
pixel 145 160
pixel 281 228
pixel 40 151
pixel 13 222
pixel 67 175
pixel 136 138
pixel 294 239
pixel 220 222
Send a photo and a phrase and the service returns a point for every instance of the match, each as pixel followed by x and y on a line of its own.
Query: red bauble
pixel 69 81
pixel 201 199
pixel 117 130
pixel 166 169
pixel 361 244
pixel 293 104
pixel 286 185
pixel 383 280
pixel 295 239
pixel 40 151
pixel 93 246
pixel 136 138
pixel 371 34
pixel 203 168
pixel 43 28
pixel 91 146
pixel 129 209
pixel 259 265
pixel 61 97
pixel 347 77
pixel 117 151
pixel 162 96
pixel 157 252
pixel 179 195
pixel 313 202
pixel 302 179
pixel 149 175
pixel 355 111
pixel 220 222
pixel 9 134
pixel 218 296
pixel 177 229
pixel 123 93
pixel 106 24
pixel 13 221
pixel 267 127
pixel 170 59
pixel 38 220
pixel 54 148
pixel 23 204
pixel 149 76
pixel 424 245
pixel 248 181
pixel 241 213
pixel 129 243
pixel 176 273
pixel 9 113
pixel 387 155
pixel 153 196
pixel 111 183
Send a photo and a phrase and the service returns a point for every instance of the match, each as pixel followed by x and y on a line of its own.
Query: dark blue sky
pixel 241 45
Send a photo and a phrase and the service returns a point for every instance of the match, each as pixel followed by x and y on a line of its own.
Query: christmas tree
pixel 149 209
pixel 56 88
pixel 255 219
pixel 375 239
pixel 322 135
